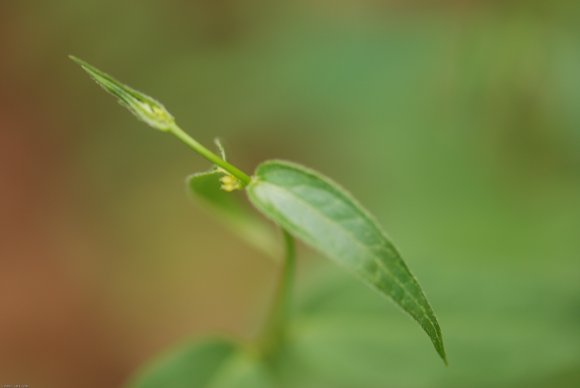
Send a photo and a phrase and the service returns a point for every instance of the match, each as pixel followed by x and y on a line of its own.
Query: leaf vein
pixel 376 259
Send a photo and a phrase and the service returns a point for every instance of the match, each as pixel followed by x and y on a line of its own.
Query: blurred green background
pixel 457 123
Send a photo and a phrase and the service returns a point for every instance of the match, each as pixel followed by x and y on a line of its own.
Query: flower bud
pixel 144 107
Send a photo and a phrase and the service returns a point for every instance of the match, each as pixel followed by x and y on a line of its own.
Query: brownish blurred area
pixel 50 315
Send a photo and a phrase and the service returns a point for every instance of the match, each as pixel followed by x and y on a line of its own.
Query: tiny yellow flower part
pixel 230 183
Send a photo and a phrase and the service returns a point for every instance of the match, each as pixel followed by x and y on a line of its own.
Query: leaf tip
pixel 440 348
pixel 444 358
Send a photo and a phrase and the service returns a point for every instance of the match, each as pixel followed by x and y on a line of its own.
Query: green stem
pixel 275 328
pixel 212 157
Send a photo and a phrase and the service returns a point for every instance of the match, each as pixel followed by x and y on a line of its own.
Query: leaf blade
pixel 229 209
pixel 326 217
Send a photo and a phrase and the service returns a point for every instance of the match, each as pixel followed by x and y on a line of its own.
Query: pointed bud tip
pixel 79 62
pixel 141 105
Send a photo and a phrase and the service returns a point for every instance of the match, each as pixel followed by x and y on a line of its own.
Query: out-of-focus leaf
pixel 193 365
pixel 230 209
pixel 213 363
pixel 319 212
pixel 244 370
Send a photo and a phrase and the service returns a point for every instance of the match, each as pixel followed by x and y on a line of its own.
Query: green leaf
pixel 232 212
pixel 193 365
pixel 141 105
pixel 244 370
pixel 319 212
pixel 212 363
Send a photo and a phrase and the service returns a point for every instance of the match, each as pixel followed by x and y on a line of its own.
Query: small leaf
pixel 233 213
pixel 144 107
pixel 323 215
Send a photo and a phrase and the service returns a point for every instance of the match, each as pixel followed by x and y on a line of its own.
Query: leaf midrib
pixel 353 238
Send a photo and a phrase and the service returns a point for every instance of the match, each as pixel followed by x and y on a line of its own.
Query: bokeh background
pixel 456 122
